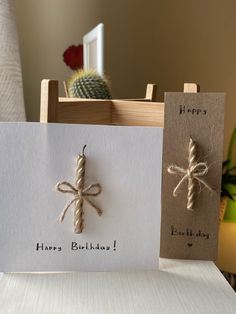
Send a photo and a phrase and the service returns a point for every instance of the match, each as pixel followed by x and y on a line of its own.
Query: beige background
pixel 161 41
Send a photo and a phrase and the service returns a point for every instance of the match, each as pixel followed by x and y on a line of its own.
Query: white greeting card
pixel 124 161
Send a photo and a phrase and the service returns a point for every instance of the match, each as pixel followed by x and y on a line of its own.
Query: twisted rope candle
pixel 193 173
pixel 191 184
pixel 80 194
pixel 79 213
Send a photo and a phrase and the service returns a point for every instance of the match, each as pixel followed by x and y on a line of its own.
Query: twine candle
pixel 80 194
pixel 193 173
pixel 79 212
pixel 192 156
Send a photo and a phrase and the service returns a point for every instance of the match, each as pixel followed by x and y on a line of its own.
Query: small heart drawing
pixel 190 244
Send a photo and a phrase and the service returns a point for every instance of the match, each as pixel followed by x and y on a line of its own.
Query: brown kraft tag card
pixel 191 178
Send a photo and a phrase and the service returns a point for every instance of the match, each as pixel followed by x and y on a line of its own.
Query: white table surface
pixel 179 287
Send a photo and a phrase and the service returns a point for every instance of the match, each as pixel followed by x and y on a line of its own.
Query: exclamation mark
pixel 114 247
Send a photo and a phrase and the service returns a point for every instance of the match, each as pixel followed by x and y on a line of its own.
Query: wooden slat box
pixel 90 111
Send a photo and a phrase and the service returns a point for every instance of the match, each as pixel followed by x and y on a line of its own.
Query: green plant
pixel 228 179
pixel 88 84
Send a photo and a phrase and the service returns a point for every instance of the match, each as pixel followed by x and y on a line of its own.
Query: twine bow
pixel 66 187
pixel 192 174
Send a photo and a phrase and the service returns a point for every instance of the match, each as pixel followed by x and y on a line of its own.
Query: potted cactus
pixel 88 84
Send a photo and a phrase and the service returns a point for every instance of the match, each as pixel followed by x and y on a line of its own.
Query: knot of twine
pixel 79 194
pixel 192 174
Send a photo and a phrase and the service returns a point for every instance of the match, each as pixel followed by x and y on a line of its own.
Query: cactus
pixel 88 84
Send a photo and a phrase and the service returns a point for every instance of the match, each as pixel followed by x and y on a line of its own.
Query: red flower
pixel 73 57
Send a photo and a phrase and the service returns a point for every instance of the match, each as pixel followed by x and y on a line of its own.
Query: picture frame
pixel 93 43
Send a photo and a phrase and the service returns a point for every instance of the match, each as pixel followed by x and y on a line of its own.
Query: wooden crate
pixel 141 112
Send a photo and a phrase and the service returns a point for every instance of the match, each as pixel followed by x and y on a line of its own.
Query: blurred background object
pixel 93 43
pixel 230 186
pixel 73 57
pixel 227 235
pixel 11 89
